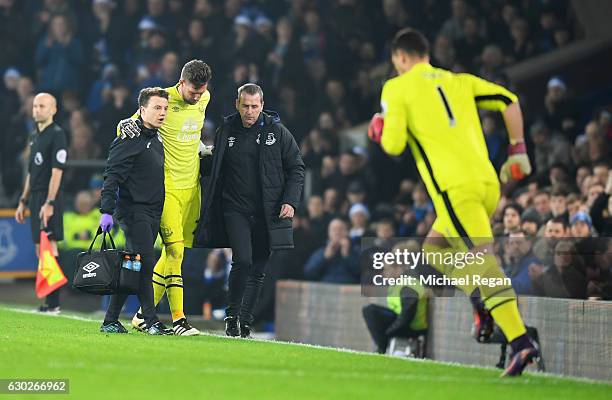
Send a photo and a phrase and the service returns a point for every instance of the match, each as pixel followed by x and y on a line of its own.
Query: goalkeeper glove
pixel 204 150
pixel 128 128
pixel 517 165
pixel 376 127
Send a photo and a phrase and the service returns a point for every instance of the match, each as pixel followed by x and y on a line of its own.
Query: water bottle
pixel 127 262
pixel 136 265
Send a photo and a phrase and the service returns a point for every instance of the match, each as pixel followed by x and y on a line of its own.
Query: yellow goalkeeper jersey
pixel 181 133
pixel 434 111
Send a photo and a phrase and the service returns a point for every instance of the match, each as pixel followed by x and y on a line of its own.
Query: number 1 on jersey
pixel 449 112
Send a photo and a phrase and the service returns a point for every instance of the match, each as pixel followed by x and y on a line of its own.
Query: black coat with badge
pixel 281 175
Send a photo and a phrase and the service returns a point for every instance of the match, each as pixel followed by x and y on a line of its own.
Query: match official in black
pixel 252 191
pixel 41 191
pixel 134 192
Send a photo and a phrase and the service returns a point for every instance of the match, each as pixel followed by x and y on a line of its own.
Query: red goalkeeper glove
pixel 517 166
pixel 376 127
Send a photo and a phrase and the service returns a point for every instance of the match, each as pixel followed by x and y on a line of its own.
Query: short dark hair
pixel 559 219
pixel 251 89
pixel 148 92
pixel 411 41
pixel 196 72
pixel 558 191
pixel 514 206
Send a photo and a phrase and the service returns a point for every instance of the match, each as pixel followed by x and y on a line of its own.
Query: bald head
pixel 44 108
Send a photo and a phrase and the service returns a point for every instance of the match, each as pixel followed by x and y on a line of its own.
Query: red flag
pixel 49 276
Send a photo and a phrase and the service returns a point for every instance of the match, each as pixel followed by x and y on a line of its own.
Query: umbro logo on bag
pixel 89 268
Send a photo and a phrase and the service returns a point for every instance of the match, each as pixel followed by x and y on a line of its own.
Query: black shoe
pixel 245 331
pixel 49 310
pixel 159 329
pixel 520 360
pixel 113 327
pixel 231 326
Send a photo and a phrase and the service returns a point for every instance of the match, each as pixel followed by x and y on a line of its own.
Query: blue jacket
pixel 338 269
pixel 60 65
pixel 519 275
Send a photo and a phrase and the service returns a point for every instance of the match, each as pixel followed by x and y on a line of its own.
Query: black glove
pixel 128 128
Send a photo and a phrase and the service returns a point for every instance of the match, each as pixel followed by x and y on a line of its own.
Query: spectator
pixel 331 201
pixel 593 191
pixel 453 27
pixel 443 53
pixel 119 106
pixel 318 218
pixel 167 73
pixel 581 225
pixel 285 60
pixel 106 34
pixel 13 34
pixel 558 203
pixel 356 193
pixel 59 56
pixel 560 111
pixel 470 46
pixel 198 43
pixel 550 148
pixel 601 172
pixel 592 146
pixel 421 205
pixel 518 256
pixel 564 277
pixel 385 230
pixel 522 47
pixel 492 61
pixel 554 230
pixel 601 211
pixel 359 216
pixel 511 215
pixel 338 261
pixel 530 226
pixel 99 93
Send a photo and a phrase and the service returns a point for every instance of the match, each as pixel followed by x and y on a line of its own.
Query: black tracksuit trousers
pixel 140 231
pixel 248 237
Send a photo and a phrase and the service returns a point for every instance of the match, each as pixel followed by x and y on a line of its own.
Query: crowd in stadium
pixel 321 65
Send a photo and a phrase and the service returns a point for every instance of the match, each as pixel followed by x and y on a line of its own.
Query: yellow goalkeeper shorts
pixel 464 212
pixel 181 211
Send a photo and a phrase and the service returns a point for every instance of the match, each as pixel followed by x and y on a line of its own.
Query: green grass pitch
pixel 137 366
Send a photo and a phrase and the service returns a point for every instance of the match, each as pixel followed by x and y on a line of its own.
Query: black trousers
pixel 378 319
pixel 140 232
pixel 248 237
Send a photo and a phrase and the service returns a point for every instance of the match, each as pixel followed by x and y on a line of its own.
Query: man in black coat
pixel 251 192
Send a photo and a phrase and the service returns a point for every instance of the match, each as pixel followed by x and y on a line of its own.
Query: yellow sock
pixel 507 316
pixel 500 300
pixel 174 279
pixel 159 278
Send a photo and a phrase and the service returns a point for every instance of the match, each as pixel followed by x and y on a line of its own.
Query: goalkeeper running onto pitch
pixel 434 111
pixel 180 132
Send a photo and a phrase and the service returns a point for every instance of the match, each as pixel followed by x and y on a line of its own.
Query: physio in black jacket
pixel 251 192
pixel 134 192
